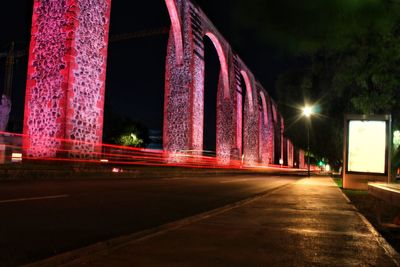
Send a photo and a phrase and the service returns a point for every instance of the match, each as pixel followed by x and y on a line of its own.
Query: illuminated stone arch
pixel 184 94
pixel 176 29
pixel 251 118
pixel 223 62
pixel 224 109
pixel 266 129
pixel 66 83
pixel 184 87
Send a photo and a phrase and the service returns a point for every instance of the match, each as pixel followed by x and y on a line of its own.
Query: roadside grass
pixel 338 181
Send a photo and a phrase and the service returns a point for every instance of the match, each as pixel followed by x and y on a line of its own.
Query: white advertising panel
pixel 367 146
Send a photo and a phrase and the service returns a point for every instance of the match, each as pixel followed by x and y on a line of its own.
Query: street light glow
pixel 307 111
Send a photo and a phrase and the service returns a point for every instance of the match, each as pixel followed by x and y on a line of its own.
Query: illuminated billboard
pixel 366 150
pixel 367 146
pixel 367 141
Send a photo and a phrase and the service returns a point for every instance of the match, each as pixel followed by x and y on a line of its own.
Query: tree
pixel 353 66
pixel 121 130
pixel 134 134
pixel 307 27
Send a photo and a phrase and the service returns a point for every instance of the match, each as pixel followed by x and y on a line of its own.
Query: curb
pixel 389 250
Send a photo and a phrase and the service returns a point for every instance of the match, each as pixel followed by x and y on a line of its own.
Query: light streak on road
pixel 233 181
pixel 32 199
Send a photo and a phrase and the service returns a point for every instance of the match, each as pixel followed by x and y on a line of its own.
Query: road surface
pixel 40 219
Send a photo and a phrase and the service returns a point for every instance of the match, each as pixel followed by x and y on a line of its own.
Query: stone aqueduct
pixel 66 85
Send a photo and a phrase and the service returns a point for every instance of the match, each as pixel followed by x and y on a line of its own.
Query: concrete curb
pixel 389 250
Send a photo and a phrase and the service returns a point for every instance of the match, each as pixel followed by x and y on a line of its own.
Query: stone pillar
pixel 251 121
pixel 66 76
pixel 271 142
pixel 290 153
pixel 283 139
pixel 225 125
pixel 302 164
pixel 178 102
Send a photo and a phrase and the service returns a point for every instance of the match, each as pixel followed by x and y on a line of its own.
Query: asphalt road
pixel 40 219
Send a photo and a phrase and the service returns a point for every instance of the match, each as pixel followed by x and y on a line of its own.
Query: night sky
pixel 135 69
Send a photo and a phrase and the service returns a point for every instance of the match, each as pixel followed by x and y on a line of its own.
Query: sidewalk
pixel 309 223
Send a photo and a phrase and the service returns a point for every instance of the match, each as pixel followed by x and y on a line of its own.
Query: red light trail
pixel 114 155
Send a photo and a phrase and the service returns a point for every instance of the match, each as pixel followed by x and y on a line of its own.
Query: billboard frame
pixel 357 179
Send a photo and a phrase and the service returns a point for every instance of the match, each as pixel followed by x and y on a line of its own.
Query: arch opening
pixel 250 120
pixel 212 70
pixel 223 62
pixel 242 114
pixel 135 78
pixel 246 111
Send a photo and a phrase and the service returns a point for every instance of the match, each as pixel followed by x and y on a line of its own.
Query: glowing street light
pixel 307 112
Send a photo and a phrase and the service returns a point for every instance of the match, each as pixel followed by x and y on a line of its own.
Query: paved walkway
pixel 309 223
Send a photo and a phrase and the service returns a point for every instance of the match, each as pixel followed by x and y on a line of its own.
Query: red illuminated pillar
pixel 302 164
pixel 271 133
pixel 282 128
pixel 66 76
pixel 184 84
pixel 178 102
pixel 290 153
pixel 276 134
pixel 271 141
pixel 225 125
pixel 251 121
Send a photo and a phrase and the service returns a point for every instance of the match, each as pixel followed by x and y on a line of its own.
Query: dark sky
pixel 135 71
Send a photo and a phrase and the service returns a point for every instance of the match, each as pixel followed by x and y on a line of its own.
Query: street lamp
pixel 307 112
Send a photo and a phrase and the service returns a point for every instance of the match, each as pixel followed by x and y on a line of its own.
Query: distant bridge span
pixel 66 85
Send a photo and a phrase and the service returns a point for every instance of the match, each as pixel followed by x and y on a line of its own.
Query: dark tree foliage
pixel 116 126
pixel 352 52
pixel 307 26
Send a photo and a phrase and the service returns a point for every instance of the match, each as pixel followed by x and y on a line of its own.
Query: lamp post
pixel 307 112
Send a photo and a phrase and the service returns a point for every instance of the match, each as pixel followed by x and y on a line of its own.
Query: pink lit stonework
pixel 184 86
pixel 302 164
pixel 290 153
pixel 66 76
pixel 266 129
pixel 66 83
pixel 184 92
